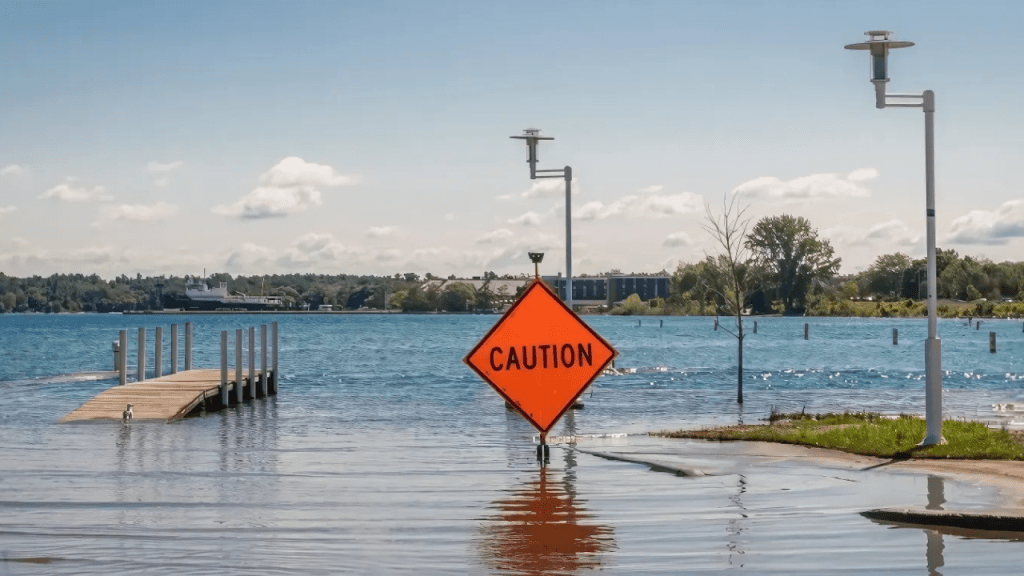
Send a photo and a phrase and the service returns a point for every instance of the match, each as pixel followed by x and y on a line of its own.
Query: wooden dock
pixel 179 394
pixel 170 397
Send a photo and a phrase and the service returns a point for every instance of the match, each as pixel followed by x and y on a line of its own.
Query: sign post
pixel 540 357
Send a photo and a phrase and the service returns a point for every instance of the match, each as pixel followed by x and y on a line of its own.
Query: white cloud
pixel 499 235
pixel 862 175
pixel 162 182
pixel 885 234
pixel 644 206
pixel 505 197
pixel 163 167
pixel 527 219
pixel 449 217
pixel 11 170
pixel 381 231
pixel 990 227
pixel 68 193
pixel 828 185
pixel 388 255
pixel 136 213
pixel 652 189
pixel 294 172
pixel 7 209
pixel 547 187
pixel 289 187
pixel 677 239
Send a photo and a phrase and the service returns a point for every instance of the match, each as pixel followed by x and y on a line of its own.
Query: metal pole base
pixel 543 454
pixel 933 392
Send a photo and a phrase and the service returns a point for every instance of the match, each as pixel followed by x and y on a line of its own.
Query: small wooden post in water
pixel 239 383
pixel 122 358
pixel 274 370
pixel 188 345
pixel 716 323
pixel 141 368
pixel 895 336
pixel 978 325
pixel 224 368
pixel 174 348
pixel 252 363
pixel 158 352
pixel 992 342
pixel 116 347
pixel 755 326
pixel 807 329
pixel 263 359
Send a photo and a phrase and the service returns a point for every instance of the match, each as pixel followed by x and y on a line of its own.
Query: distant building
pixel 609 289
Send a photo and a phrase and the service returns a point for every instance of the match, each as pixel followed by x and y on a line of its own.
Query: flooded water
pixel 383 453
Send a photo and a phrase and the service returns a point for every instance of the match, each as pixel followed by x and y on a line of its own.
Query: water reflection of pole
pixel 735 529
pixel 935 546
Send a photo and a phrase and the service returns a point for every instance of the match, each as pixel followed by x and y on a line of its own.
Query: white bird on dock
pixel 127 414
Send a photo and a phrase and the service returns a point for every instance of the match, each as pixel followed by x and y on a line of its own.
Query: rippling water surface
pixel 383 453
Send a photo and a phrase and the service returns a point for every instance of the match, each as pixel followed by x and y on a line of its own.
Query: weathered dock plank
pixel 166 398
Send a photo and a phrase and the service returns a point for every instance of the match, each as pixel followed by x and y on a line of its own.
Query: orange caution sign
pixel 540 356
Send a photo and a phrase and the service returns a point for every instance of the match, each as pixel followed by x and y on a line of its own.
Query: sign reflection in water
pixel 543 526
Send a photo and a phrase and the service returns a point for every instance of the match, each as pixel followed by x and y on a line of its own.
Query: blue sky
pixel 344 137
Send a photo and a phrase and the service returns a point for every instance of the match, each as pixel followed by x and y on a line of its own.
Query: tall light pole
pixel 532 136
pixel 879 44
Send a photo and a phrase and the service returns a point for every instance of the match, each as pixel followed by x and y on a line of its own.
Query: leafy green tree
pixel 791 256
pixel 457 297
pixel 885 276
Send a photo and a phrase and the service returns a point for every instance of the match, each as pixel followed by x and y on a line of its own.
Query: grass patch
pixel 871 434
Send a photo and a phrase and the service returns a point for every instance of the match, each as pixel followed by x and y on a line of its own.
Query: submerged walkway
pixel 174 396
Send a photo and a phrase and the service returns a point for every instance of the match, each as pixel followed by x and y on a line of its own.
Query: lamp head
pixel 532 136
pixel 879 43
pixel 536 257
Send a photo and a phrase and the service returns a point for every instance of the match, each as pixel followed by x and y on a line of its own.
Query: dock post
pixel 174 348
pixel 895 336
pixel 224 368
pixel 992 342
pixel 274 366
pixel 188 345
pixel 252 363
pixel 116 347
pixel 755 326
pixel 807 329
pixel 141 368
pixel 239 383
pixel 122 358
pixel 158 353
pixel 263 359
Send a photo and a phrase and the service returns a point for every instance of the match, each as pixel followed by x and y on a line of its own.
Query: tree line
pixel 787 269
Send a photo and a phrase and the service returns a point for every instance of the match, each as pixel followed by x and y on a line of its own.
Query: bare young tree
pixel 734 264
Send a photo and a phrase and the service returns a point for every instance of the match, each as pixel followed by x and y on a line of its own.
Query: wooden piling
pixel 807 330
pixel 895 336
pixel 158 352
pixel 716 323
pixel 992 342
pixel 263 359
pixel 188 345
pixel 174 348
pixel 755 326
pixel 122 358
pixel 141 368
pixel 116 348
pixel 978 325
pixel 224 369
pixel 273 374
pixel 253 387
pixel 239 383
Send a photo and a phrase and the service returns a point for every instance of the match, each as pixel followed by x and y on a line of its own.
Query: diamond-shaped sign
pixel 540 356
